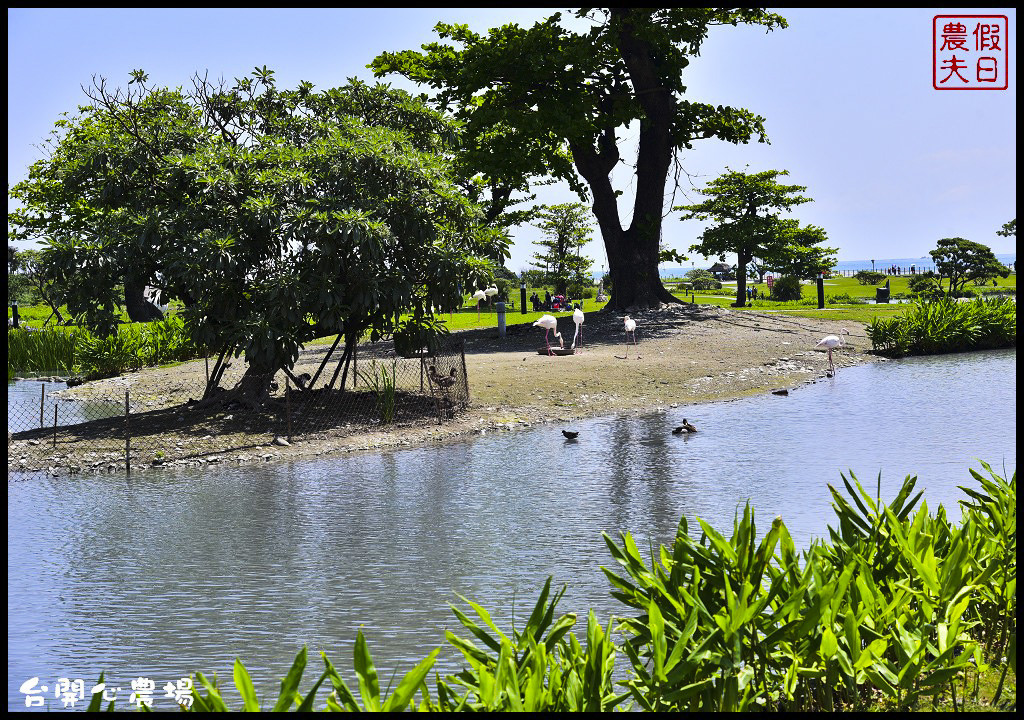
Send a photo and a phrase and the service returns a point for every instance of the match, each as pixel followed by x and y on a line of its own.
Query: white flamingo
pixel 478 296
pixel 832 341
pixel 577 317
pixel 549 323
pixel 630 325
pixel 490 293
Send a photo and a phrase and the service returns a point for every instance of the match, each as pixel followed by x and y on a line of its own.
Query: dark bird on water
pixel 570 435
pixel 685 428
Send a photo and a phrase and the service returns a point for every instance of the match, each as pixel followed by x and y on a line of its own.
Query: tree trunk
pixel 633 266
pixel 633 252
pixel 254 387
pixel 139 309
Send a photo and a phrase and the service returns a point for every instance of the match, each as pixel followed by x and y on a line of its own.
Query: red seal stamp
pixel 970 52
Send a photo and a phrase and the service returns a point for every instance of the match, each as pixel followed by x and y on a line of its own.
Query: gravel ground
pixel 683 355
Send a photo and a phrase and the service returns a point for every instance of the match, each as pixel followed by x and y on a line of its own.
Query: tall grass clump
pixel 946 326
pixel 72 350
pixel 896 608
pixel 383 386
pixel 50 350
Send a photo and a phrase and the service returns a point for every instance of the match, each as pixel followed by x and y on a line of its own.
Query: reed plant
pixel 50 350
pixel 382 383
pixel 74 350
pixel 899 605
pixel 946 326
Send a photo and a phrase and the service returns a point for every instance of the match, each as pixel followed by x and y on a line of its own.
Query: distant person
pixel 547 300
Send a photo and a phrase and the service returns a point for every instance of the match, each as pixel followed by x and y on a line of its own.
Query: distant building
pixel 721 270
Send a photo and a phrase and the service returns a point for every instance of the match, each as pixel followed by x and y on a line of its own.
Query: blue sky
pixel 892 164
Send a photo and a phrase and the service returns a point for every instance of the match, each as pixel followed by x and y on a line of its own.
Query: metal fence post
pixel 127 437
pixel 288 405
pixel 55 424
pixel 42 399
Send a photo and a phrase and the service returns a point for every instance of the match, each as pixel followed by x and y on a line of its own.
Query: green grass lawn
pixel 466 318
pixel 833 286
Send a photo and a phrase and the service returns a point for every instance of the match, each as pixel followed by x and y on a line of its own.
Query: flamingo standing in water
pixel 630 325
pixel 577 317
pixel 550 323
pixel 832 341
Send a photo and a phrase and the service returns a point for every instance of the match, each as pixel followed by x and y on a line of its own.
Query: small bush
pixel 946 326
pixel 869 277
pixel 843 299
pixel 786 289
pixel 702 280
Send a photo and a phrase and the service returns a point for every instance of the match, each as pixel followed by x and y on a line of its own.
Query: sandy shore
pixel 684 355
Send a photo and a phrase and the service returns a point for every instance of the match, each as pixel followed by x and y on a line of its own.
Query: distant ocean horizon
pixel 921 264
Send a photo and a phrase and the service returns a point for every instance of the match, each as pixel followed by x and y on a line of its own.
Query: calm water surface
pixel 172 572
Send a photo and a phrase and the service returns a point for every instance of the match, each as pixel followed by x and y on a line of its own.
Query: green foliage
pixel 20 289
pixel 383 385
pixel 926 286
pixel 546 101
pixel 962 261
pixel 898 604
pixel 276 216
pixel 701 280
pixel 870 277
pixel 946 326
pixel 541 667
pixel 566 230
pixel 51 350
pixel 746 211
pixel 786 289
pixel 72 350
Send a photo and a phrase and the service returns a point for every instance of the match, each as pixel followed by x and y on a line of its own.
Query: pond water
pixel 167 572
pixel 30 404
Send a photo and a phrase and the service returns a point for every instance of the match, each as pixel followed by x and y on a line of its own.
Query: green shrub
pixel 897 604
pixel 946 326
pixel 50 350
pixel 702 281
pixel 787 289
pixel 69 350
pixel 869 277
pixel 843 299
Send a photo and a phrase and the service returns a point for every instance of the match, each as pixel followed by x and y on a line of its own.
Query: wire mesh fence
pixel 160 415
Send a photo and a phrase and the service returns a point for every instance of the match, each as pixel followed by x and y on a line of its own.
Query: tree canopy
pixel 746 209
pixel 566 230
pixel 276 216
pixel 962 261
pixel 544 95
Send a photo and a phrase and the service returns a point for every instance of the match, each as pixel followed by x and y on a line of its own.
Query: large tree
pixel 548 93
pixel 745 209
pixel 103 183
pixel 962 261
pixel 295 214
pixel 566 230
pixel 801 253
